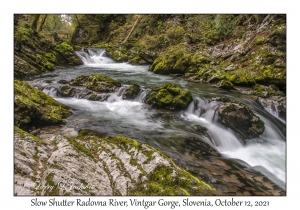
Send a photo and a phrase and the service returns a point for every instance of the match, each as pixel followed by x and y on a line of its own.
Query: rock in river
pixel 169 96
pixel 240 119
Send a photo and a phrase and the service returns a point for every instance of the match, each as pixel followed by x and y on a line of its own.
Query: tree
pixel 42 23
pixel 35 22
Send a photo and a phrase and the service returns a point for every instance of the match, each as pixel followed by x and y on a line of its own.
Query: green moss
pixel 80 148
pixel 164 98
pixel 50 182
pixel 67 53
pixel 174 60
pixel 51 57
pixel 96 82
pixel 169 96
pixel 92 97
pixel 264 91
pixel 227 85
pixel 55 167
pixel 164 180
pixel 36 108
pixel 175 34
pixel 125 142
pixel 260 40
pixel 132 92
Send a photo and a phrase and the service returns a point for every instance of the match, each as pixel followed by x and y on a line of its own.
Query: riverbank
pixel 115 106
pixel 223 50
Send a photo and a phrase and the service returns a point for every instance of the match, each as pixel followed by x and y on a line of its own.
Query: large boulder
pixel 93 164
pixel 240 119
pixel 96 82
pixel 175 60
pixel 64 53
pixel 35 108
pixel 169 96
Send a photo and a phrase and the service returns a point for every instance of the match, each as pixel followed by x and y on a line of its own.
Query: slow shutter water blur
pixel 163 129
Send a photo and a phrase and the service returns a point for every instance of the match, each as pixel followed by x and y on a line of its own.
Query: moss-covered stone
pixel 260 40
pixel 92 97
pixel 67 91
pixel 166 178
pixel 226 85
pixel 175 60
pixel 240 119
pixel 96 82
pixel 131 92
pixel 51 57
pixel 169 96
pixel 67 53
pixel 266 91
pixel 35 108
pixel 62 81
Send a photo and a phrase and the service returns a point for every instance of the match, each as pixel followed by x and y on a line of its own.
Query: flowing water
pixel 165 130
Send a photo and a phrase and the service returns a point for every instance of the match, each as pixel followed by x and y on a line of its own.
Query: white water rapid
pixel 116 116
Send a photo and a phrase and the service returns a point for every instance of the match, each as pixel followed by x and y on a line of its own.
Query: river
pixel 165 130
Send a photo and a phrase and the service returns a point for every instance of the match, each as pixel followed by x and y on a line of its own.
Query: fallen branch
pixel 133 27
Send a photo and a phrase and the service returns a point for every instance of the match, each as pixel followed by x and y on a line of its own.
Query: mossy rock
pixel 36 54
pixel 226 85
pixel 260 40
pixel 67 91
pixel 92 97
pixel 240 119
pixel 132 92
pixel 35 108
pixel 169 96
pixel 96 82
pixel 65 53
pixel 63 81
pixel 164 178
pixel 174 60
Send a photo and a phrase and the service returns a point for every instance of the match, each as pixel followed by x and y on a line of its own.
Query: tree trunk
pixel 133 27
pixel 78 22
pixel 35 21
pixel 43 22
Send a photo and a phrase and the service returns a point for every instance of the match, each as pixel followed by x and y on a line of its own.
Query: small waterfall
pixel 121 90
pixel 84 57
pixel 94 56
pixel 141 96
pixel 265 153
pixel 52 92
pixel 272 108
pixel 191 108
pixel 223 139
pixel 96 52
pixel 116 96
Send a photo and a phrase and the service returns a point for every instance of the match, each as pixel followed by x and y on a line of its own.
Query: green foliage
pixel 54 22
pixel 175 34
pixel 160 26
